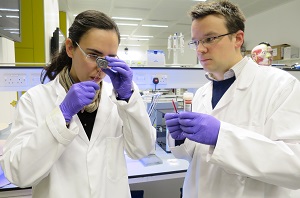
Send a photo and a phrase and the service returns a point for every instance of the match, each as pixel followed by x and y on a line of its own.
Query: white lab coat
pixel 60 162
pixel 257 154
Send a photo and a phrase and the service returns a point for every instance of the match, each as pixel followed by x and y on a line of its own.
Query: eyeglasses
pixel 101 62
pixel 90 57
pixel 206 42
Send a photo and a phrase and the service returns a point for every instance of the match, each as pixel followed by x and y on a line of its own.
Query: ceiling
pixel 171 13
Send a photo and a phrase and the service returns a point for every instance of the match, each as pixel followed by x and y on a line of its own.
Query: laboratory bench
pixel 170 168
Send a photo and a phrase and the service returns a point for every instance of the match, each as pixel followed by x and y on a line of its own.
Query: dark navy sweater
pixel 219 88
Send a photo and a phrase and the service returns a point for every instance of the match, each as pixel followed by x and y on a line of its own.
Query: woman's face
pixel 95 42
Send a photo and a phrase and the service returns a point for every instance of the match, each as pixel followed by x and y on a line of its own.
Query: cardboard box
pixel 278 51
pixel 290 52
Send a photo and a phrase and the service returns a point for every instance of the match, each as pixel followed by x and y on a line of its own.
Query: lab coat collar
pixel 243 81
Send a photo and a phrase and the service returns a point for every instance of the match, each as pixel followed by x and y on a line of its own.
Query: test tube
pixel 174 106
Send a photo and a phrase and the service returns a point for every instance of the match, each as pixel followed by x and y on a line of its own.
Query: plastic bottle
pixel 169 45
pixel 187 101
pixel 175 41
pixel 181 41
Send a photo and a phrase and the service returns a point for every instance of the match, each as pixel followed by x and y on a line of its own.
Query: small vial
pixel 187 101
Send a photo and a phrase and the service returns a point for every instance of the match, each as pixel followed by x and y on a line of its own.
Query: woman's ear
pixel 69 47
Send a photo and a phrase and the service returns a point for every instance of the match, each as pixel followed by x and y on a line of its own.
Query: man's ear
pixel 69 47
pixel 239 38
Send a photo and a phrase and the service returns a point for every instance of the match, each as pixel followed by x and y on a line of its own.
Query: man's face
pixel 218 56
pixel 262 55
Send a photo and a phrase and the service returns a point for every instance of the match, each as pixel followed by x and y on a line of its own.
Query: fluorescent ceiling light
pixel 128 24
pixel 11 29
pixel 136 39
pixel 12 10
pixel 139 39
pixel 124 35
pixel 10 16
pixel 127 18
pixel 155 26
pixel 142 36
pixel 130 45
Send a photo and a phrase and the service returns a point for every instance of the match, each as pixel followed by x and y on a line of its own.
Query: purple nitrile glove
pixel 202 128
pixel 121 77
pixel 172 123
pixel 79 95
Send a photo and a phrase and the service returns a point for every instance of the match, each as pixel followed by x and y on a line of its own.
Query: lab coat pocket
pixel 116 163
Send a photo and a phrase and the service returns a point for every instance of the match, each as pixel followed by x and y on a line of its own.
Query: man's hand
pixel 202 128
pixel 172 123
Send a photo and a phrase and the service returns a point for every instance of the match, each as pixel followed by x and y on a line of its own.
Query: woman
pixel 69 135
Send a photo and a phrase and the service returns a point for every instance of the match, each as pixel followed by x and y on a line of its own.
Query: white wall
pixel 7 55
pixel 7 51
pixel 135 55
pixel 51 20
pixel 277 26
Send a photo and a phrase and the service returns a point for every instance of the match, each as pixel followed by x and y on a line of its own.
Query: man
pixel 262 54
pixel 242 138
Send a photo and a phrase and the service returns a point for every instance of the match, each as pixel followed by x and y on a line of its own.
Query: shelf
pixel 287 61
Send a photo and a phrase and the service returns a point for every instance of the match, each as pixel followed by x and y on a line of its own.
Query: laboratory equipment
pixel 102 63
pixel 155 58
pixel 166 105
pixel 152 105
pixel 187 101
pixel 175 44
